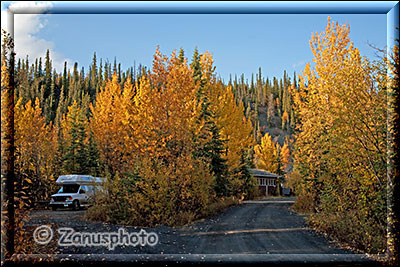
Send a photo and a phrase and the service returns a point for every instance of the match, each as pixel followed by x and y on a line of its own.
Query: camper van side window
pixel 84 188
pixel 90 189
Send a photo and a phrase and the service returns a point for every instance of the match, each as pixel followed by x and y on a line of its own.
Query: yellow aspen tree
pixel 234 126
pixel 229 117
pixel 340 147
pixel 145 117
pixel 338 106
pixel 165 105
pixel 35 147
pixel 266 154
pixel 129 124
pixel 4 91
pixel 108 129
pixel 284 157
pixel 173 103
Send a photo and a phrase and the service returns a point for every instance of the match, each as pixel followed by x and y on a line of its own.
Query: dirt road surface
pixel 264 227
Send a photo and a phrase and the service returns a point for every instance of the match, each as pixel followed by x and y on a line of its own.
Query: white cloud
pixel 298 64
pixel 26 26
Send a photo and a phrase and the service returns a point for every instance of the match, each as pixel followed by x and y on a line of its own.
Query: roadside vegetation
pixel 340 156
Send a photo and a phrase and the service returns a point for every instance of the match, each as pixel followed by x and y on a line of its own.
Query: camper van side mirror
pixel 81 191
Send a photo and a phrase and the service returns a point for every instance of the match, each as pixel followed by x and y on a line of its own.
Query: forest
pixel 176 143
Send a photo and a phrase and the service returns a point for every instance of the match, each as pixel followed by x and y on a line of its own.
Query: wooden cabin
pixel 267 182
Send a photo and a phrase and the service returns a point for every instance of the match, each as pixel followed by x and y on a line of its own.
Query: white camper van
pixel 76 191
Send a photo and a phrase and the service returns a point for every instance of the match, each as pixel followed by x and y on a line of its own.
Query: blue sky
pixel 239 43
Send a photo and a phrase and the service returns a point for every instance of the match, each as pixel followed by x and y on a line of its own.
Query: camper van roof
pixel 78 179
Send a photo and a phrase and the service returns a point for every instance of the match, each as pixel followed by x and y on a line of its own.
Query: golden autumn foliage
pixel 229 117
pixel 393 157
pixel 35 147
pixel 4 91
pixel 157 194
pixel 144 136
pixel 152 118
pixel 35 166
pixel 341 140
pixel 173 105
pixel 266 154
pixel 234 126
pixel 284 156
pixel 106 125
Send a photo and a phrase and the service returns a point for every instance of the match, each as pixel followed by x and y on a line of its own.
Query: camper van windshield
pixel 70 188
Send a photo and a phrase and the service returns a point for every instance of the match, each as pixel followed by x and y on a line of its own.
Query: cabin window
pixel 261 181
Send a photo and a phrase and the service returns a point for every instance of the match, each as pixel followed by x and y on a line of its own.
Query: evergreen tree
pixel 106 74
pixel 196 68
pixel 35 71
pixel 51 102
pixel 81 148
pixel 65 81
pixel 243 173
pixel 100 77
pixel 115 66
pixel 40 73
pixel 60 108
pixel 48 74
pixel 75 159
pixel 93 77
pixel 213 150
pixel 119 73
pixel 93 160
pixel 209 145
pixel 181 56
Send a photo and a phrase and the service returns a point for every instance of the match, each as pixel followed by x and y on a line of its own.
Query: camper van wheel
pixel 75 205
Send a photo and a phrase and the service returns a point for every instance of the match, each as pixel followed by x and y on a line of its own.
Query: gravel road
pixel 254 227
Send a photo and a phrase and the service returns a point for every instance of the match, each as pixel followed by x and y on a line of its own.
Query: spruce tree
pixel 106 74
pixel 119 73
pixel 197 75
pixel 181 56
pixel 93 77
pixel 209 145
pixel 81 153
pixel 93 160
pixel 214 148
pixel 65 80
pixel 115 66
pixel 48 74
pixel 36 73
pixel 40 73
pixel 75 159
pixel 243 173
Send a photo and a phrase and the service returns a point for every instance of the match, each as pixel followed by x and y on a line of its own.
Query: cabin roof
pixel 263 173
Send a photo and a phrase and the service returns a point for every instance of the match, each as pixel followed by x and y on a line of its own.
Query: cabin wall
pixel 262 190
